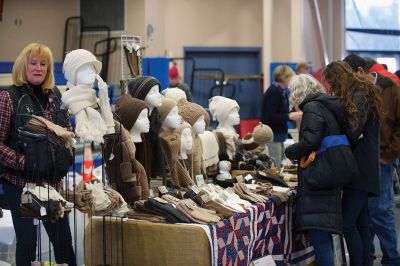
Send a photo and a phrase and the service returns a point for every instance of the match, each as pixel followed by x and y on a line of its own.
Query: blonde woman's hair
pixel 20 64
pixel 281 72
pixel 301 86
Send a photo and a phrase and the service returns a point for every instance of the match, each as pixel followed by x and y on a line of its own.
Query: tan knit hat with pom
pixel 189 111
pixel 262 134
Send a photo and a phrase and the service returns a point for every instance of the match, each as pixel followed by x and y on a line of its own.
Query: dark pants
pixel 356 225
pixel 382 218
pixel 323 247
pixel 26 232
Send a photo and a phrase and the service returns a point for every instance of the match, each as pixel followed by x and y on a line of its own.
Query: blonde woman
pixel 318 211
pixel 275 111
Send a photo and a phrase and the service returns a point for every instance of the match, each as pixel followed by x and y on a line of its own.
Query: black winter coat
pixel 316 209
pixel 365 146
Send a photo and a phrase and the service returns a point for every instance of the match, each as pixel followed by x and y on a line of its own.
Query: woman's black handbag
pixel 332 165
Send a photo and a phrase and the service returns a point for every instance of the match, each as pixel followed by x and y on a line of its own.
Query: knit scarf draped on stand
pixel 230 141
pixel 90 124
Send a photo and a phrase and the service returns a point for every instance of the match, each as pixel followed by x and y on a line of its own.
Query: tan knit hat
pixel 182 127
pixel 167 104
pixel 128 109
pixel 221 107
pixel 262 134
pixel 189 111
pixel 75 59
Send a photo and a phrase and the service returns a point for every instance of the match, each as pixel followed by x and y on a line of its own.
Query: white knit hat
pixel 75 59
pixel 220 107
pixel 174 93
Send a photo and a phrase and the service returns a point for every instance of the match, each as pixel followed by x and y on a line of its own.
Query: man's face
pixel 174 81
pixel 365 74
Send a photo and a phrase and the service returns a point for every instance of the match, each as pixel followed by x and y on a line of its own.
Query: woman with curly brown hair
pixel 363 112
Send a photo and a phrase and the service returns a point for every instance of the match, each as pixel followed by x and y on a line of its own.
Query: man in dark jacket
pixel 381 209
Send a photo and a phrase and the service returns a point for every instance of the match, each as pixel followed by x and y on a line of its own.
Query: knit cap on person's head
pixel 263 134
pixel 220 107
pixel 173 72
pixel 140 86
pixel 189 111
pixel 128 110
pixel 248 142
pixel 75 59
pixel 174 93
pixel 167 104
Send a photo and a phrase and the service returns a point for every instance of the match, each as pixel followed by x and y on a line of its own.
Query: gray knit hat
pixel 262 134
pixel 75 59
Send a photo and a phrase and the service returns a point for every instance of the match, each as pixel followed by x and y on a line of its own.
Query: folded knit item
pixel 263 189
pixel 132 214
pixel 220 198
pixel 171 199
pixel 171 213
pixel 190 194
pixel 116 202
pixel 43 125
pixel 245 193
pixel 279 198
pixel 195 213
pixel 140 207
pixel 81 197
pixel 212 205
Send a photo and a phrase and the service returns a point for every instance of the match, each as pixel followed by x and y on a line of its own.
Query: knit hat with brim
pixel 248 143
pixel 189 111
pixel 167 105
pixel 140 86
pixel 262 134
pixel 221 107
pixel 174 93
pixel 128 109
pixel 75 59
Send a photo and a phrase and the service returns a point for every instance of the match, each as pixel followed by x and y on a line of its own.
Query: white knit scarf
pixel 90 124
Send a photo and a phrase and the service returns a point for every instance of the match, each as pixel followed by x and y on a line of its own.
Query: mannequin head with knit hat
pixel 133 115
pixel 146 88
pixel 169 116
pixel 185 131
pixel 194 114
pixel 225 111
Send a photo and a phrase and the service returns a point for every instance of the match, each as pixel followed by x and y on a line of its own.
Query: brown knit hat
pixel 189 111
pixel 248 142
pixel 128 109
pixel 262 134
pixel 167 104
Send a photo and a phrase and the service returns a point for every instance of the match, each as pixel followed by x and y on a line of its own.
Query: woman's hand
pixel 296 116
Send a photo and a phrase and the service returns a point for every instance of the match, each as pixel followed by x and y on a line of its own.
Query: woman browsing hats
pixel 317 211
pixel 33 79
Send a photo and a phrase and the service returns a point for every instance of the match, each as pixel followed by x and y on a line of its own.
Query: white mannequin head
pixel 172 120
pixel 186 142
pixel 233 119
pixel 86 74
pixel 142 125
pixel 153 98
pixel 200 125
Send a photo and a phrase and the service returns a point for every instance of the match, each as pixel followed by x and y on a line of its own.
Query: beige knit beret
pixel 220 107
pixel 75 59
pixel 189 111
pixel 174 93
pixel 262 134
pixel 167 104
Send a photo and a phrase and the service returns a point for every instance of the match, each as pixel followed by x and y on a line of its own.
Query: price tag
pixel 248 177
pixel 161 200
pixel 200 180
pixel 264 261
pixel 239 178
pixel 43 211
pixel 195 189
pixel 205 198
pixel 162 189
